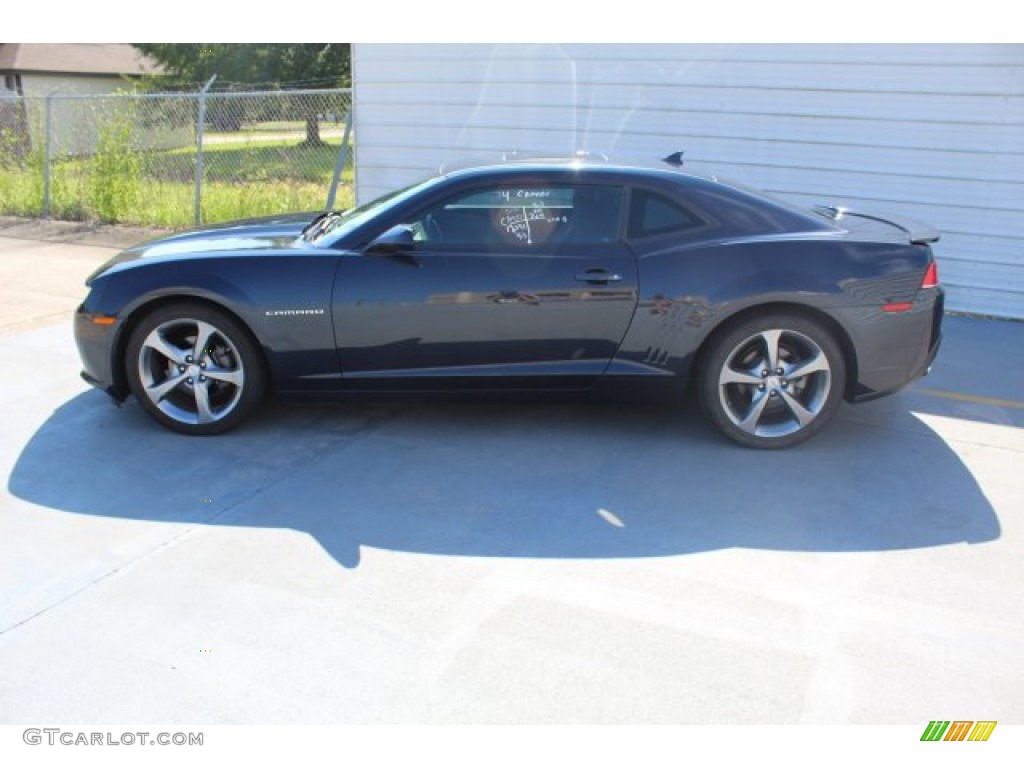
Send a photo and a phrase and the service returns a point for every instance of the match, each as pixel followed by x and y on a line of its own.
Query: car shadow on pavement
pixel 530 480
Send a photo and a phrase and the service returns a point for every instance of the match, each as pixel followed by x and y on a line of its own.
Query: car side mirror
pixel 397 240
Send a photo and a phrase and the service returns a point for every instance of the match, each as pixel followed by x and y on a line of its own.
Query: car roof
pixel 534 162
pixel 628 172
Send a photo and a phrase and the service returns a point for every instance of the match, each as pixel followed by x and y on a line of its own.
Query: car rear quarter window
pixel 524 216
pixel 653 214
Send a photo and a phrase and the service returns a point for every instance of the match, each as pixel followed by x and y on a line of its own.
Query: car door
pixel 524 280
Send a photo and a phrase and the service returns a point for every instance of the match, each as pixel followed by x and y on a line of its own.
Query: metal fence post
pixel 340 164
pixel 46 156
pixel 199 144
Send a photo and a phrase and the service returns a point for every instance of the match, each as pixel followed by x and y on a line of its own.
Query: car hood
pixel 275 234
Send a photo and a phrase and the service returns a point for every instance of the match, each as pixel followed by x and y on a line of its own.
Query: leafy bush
pixel 21 176
pixel 115 171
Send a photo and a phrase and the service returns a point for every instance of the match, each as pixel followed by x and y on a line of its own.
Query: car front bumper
pixel 96 344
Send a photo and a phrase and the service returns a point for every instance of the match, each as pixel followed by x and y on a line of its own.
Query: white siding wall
pixel 935 132
pixel 43 84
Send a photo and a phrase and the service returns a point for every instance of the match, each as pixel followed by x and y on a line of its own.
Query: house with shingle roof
pixel 38 69
pixel 29 72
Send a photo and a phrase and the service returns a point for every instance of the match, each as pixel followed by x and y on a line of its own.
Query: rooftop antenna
pixel 675 159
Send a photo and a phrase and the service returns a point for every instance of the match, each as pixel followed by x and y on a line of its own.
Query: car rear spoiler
pixel 917 231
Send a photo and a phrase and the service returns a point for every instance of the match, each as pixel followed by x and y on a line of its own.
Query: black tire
pixel 760 405
pixel 194 395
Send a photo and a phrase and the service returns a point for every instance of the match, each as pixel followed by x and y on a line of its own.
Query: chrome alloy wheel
pixel 191 371
pixel 774 383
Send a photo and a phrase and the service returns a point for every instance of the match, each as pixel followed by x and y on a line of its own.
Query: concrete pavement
pixel 482 562
pixel 41 277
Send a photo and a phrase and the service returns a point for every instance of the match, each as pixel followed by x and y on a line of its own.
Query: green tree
pixel 281 65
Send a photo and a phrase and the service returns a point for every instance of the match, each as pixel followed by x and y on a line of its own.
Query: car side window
pixel 654 214
pixel 523 216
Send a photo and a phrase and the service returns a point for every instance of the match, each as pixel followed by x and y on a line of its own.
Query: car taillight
pixel 931 277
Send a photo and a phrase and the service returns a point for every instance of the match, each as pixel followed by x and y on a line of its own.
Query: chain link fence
pixel 175 159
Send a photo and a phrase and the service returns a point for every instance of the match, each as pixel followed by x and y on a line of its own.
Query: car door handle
pixel 598 276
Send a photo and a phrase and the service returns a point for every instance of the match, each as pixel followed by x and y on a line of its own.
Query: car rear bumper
pixel 894 349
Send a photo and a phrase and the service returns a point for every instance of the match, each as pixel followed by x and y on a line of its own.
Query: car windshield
pixel 334 226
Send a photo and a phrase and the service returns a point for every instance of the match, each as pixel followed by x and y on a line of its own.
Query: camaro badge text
pixel 280 312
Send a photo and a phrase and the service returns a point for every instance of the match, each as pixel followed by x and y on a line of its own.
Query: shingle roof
pixel 75 58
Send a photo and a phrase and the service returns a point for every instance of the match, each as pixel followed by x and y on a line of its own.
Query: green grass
pixel 248 177
pixel 277 127
pixel 21 192
pixel 253 160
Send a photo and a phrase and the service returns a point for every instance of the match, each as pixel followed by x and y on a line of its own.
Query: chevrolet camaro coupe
pixel 526 275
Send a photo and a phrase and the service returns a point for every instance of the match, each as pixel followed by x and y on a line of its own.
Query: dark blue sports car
pixel 529 275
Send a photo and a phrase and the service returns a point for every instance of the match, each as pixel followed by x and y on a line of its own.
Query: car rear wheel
pixel 194 369
pixel 772 381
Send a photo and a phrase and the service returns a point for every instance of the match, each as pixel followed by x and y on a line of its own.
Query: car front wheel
pixel 194 369
pixel 772 381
